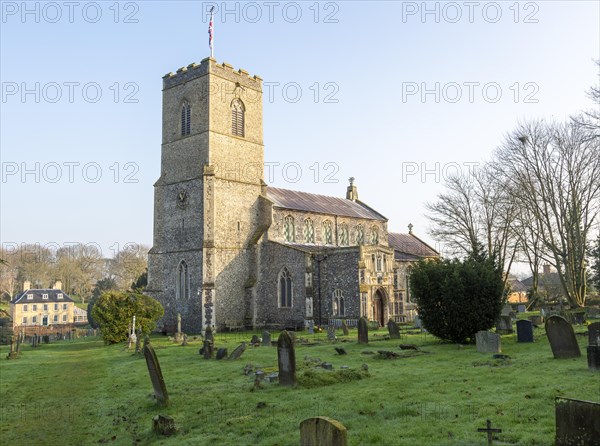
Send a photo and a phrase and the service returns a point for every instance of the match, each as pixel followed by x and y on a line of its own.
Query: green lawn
pixel 84 393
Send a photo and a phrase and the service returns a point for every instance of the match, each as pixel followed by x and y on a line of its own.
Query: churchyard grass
pixel 82 392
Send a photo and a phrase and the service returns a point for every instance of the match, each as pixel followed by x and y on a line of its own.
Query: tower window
pixel 182 290
pixel 186 118
pixel 338 303
pixel 237 118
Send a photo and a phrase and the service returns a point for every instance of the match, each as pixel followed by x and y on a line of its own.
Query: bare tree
pixel 128 264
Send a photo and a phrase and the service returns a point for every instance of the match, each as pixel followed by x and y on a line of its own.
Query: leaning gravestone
pixel 345 328
pixel 577 422
pixel 323 431
pixel 524 331
pixel 158 382
pixel 238 351
pixel 488 342
pixel 393 329
pixel 562 338
pixel 504 325
pixel 221 353
pixel 286 359
pixel 594 334
pixel 363 331
pixel 266 339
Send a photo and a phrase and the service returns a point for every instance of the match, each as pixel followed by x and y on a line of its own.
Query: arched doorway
pixel 378 306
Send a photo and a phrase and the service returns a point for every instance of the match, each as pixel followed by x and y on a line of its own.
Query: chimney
pixel 546 268
pixel 57 285
pixel 352 192
pixel 26 285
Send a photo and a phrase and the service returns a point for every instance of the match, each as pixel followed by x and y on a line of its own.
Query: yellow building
pixel 42 307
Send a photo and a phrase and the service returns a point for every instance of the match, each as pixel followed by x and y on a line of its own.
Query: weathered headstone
pixel 238 351
pixel 184 342
pixel 577 422
pixel 524 331
pixel 331 333
pixel 20 339
pixel 363 331
pixel 506 310
pixel 12 354
pixel 504 325
pixel 311 327
pixel 158 382
pixel 163 425
pixel 221 353
pixel 286 360
pixel 208 349
pixel 323 431
pixel 266 339
pixel 593 357
pixel 562 338
pixel 536 320
pixel 594 334
pixel 345 328
pixel 393 329
pixel 521 308
pixel 488 342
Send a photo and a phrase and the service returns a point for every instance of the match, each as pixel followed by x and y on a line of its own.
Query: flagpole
pixel 210 33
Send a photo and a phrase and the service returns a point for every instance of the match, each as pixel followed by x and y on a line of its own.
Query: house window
pixel 344 239
pixel 45 307
pixel 25 307
pixel 55 307
pixel 327 233
pixel 237 118
pixel 59 296
pixel 288 229
pixel 285 289
pixel 338 303
pixel 186 118
pixel 34 308
pixel 24 321
pixel 360 235
pixel 309 231
pixel 44 296
pixel 30 297
pixel 64 318
pixel 56 318
pixel 64 306
pixel 374 235
pixel 183 281
pixel 34 320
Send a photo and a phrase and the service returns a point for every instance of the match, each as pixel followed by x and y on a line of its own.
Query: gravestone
pixel 255 340
pixel 311 327
pixel 345 328
pixel 577 422
pixel 506 310
pixel 12 354
pixel 323 431
pixel 504 325
pixel 331 333
pixel 208 349
pixel 158 382
pixel 562 338
pixel 594 334
pixel 221 353
pixel 138 342
pixel 521 308
pixel 393 329
pixel 417 322
pixel 185 340
pixel 524 331
pixel 20 339
pixel 536 320
pixel 488 342
pixel 163 425
pixel 238 351
pixel 363 331
pixel 593 357
pixel 208 334
pixel 266 339
pixel 286 359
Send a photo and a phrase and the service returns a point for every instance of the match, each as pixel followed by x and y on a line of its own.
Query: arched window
pixel 238 112
pixel 183 281
pixel 374 235
pixel 338 303
pixel 285 289
pixel 186 118
pixel 344 239
pixel 408 293
pixel 309 231
pixel 327 233
pixel 360 235
pixel 288 229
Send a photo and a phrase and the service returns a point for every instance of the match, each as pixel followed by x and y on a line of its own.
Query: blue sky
pixel 81 168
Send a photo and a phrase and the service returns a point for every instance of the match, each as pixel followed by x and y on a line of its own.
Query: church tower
pixel 207 205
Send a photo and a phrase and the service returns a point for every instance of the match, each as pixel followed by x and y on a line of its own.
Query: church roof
pixel 322 204
pixel 410 247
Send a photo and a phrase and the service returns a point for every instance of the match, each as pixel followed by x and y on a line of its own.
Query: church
pixel 231 252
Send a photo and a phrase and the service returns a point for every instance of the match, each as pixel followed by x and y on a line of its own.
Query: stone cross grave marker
pixel 504 325
pixel 594 334
pixel 238 351
pixel 266 339
pixel 393 329
pixel 562 338
pixel 490 431
pixel 156 376
pixel 488 342
pixel 286 359
pixel 323 431
pixel 524 331
pixel 345 328
pixel 577 422
pixel 363 331
pixel 178 334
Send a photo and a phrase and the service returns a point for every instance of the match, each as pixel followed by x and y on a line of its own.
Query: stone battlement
pixel 210 65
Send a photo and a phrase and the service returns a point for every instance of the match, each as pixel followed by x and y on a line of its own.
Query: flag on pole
pixel 210 31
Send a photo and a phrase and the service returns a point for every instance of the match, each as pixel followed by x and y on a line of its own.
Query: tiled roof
pixel 410 245
pixel 322 204
pixel 38 297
